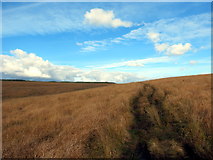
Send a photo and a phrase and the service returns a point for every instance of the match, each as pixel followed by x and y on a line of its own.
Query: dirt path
pixel 155 133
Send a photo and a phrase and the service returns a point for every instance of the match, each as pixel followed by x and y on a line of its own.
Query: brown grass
pixel 15 89
pixel 166 118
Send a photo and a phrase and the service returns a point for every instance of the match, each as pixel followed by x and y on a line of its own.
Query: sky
pixel 105 41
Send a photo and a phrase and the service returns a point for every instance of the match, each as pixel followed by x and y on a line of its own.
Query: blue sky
pixel 117 42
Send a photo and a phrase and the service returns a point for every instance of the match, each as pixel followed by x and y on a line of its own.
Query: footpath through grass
pixel 162 131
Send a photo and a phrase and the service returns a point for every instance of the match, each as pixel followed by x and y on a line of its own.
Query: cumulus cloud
pixel 21 64
pixel 167 32
pixel 176 49
pixel 28 65
pixel 179 49
pixel 100 17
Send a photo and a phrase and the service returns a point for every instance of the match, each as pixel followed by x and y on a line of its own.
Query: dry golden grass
pixel 192 93
pixel 60 125
pixel 103 122
pixel 15 89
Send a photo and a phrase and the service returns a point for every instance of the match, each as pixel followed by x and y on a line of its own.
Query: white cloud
pixel 21 64
pixel 100 17
pixel 176 49
pixel 155 37
pixel 104 76
pixel 161 47
pixel 175 32
pixel 136 33
pixel 172 33
pixel 91 46
pixel 117 40
pixel 79 44
pixel 88 49
pixel 138 63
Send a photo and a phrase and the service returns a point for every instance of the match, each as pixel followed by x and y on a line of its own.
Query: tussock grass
pixel 160 119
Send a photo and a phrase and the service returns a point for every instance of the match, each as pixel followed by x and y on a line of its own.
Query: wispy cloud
pixel 176 30
pixel 41 18
pixel 90 46
pixel 200 61
pixel 174 36
pixel 138 62
pixel 44 18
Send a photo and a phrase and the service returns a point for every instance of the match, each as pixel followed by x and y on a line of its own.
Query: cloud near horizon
pixel 104 18
pixel 21 64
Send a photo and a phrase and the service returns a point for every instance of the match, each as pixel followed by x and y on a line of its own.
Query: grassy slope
pixel 15 89
pixel 166 118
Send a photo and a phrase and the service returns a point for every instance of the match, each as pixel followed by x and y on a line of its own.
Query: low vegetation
pixel 21 88
pixel 160 119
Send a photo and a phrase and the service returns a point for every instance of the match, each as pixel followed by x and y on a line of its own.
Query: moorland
pixel 166 118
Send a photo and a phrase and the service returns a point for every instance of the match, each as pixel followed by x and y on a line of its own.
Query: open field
pixel 14 89
pixel 160 119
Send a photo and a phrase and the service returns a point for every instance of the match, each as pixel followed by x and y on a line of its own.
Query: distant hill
pixel 22 88
pixel 52 81
pixel 160 119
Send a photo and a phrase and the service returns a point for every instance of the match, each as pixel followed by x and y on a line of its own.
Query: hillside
pixel 15 89
pixel 159 119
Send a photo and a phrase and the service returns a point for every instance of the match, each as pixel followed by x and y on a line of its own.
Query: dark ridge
pixel 54 81
pixel 12 80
